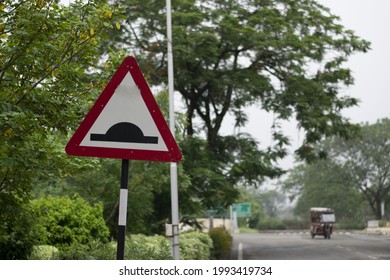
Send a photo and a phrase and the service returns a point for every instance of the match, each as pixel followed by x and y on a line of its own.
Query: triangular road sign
pixel 125 122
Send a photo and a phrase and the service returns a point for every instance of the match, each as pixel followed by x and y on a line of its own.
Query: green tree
pixel 211 187
pixel 285 57
pixel 356 170
pixel 229 55
pixel 266 207
pixel 272 202
pixel 47 54
pixel 325 184
pixel 367 162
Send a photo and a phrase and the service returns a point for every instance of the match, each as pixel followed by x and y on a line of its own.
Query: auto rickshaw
pixel 322 220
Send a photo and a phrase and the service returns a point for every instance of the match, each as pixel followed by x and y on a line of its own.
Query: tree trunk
pixel 377 207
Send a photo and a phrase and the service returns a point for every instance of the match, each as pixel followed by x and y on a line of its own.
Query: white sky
pixel 370 20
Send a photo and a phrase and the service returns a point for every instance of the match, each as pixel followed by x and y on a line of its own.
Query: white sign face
pixel 125 111
pixel 125 122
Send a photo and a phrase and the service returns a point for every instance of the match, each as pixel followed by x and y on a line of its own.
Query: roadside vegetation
pixel 285 58
pixel 70 229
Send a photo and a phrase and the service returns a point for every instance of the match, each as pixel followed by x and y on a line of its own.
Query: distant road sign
pixel 217 212
pixel 125 122
pixel 242 209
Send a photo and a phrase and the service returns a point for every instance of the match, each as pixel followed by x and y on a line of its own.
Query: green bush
pixel 296 223
pixel 19 229
pixel 195 246
pixel 44 252
pixel 269 223
pixel 247 230
pixel 137 247
pixel 93 251
pixel 349 224
pixel 141 247
pixel 69 222
pixel 222 243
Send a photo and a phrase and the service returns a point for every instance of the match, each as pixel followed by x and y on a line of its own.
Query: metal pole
pixel 120 254
pixel 174 187
pixel 382 209
pixel 231 220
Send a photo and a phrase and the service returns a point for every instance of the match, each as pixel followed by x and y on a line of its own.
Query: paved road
pixel 300 246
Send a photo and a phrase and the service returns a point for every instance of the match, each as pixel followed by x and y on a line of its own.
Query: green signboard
pixel 242 209
pixel 217 213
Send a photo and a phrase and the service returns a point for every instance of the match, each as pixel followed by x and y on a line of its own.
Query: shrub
pixel 247 230
pixel 296 224
pixel 195 246
pixel 222 242
pixel 95 250
pixel 44 252
pixel 349 224
pixel 271 224
pixel 19 230
pixel 137 247
pixel 69 222
pixel 141 247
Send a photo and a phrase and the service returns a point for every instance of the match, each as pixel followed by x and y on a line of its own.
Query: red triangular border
pixel 173 154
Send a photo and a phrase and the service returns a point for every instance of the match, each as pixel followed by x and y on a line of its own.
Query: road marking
pixel 356 252
pixel 239 257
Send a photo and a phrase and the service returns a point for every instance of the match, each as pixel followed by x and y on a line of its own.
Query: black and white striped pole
pixel 120 254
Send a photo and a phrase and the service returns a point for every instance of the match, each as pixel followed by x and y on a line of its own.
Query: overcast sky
pixel 370 20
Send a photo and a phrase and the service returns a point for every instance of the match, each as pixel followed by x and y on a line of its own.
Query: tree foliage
pixel 283 57
pixel 19 231
pixel 47 54
pixel 367 162
pixel 232 54
pixel 356 170
pixel 324 184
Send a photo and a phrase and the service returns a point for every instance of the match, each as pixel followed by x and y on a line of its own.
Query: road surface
pixel 299 245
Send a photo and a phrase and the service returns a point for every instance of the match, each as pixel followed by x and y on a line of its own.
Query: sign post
pixel 173 168
pixel 123 210
pixel 125 123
